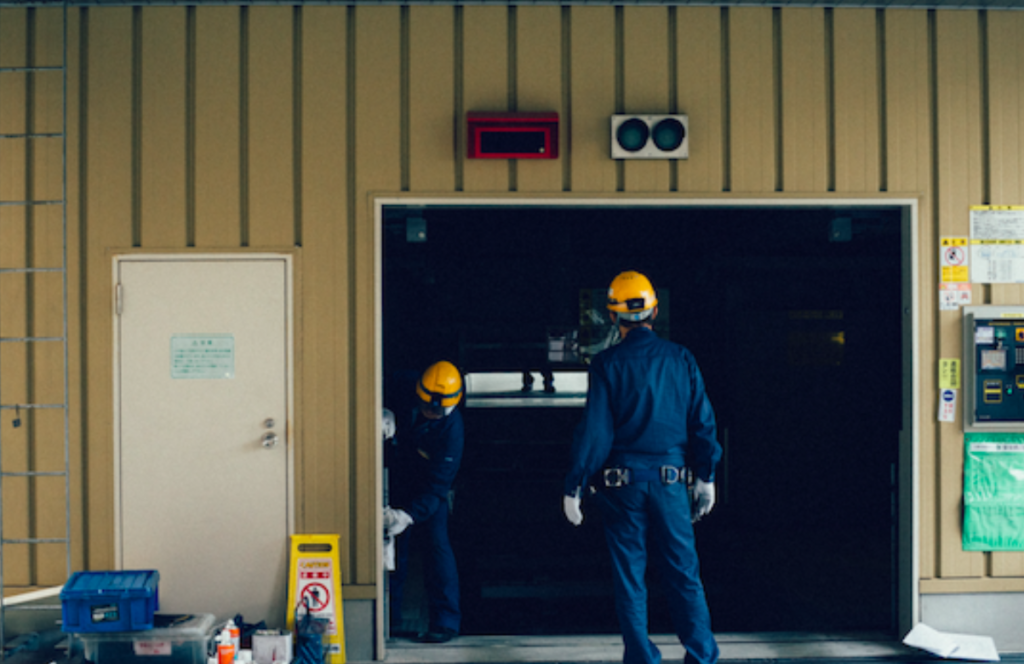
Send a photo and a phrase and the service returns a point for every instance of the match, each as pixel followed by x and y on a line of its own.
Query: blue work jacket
pixel 646 407
pixel 424 464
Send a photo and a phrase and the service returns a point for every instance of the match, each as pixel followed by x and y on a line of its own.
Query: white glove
pixel 395 522
pixel 387 424
pixel 702 499
pixel 389 519
pixel 571 507
pixel 389 554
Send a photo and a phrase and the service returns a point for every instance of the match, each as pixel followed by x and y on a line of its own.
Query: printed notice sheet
pixel 997 244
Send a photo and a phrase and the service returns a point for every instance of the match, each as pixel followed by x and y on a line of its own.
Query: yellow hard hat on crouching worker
pixel 631 296
pixel 440 387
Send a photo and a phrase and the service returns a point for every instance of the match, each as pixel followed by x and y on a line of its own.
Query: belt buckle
pixel 669 474
pixel 616 477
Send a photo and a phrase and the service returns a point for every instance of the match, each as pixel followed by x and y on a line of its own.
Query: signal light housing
pixel 650 137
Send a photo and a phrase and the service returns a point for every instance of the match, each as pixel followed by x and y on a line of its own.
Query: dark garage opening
pixel 795 316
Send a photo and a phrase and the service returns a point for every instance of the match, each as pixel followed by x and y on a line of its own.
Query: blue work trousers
pixel 441 576
pixel 656 515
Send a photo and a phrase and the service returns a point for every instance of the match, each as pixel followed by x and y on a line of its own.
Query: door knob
pixel 269 439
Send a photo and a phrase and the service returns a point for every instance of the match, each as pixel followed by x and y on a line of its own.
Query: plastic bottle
pixel 225 647
pixel 236 636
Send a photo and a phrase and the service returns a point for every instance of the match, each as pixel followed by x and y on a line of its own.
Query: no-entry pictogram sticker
pixel 314 587
pixel 953 259
pixel 316 596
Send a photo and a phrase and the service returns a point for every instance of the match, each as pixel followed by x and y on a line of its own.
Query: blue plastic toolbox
pixel 110 601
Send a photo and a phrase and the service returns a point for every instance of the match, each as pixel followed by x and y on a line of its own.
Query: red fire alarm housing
pixel 512 135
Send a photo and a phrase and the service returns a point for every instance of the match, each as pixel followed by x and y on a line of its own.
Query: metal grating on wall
pixel 35 552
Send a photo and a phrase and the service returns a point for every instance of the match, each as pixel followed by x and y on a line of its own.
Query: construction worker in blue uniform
pixel 647 427
pixel 422 466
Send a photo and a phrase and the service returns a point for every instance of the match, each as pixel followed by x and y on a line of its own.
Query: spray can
pixel 236 636
pixel 225 647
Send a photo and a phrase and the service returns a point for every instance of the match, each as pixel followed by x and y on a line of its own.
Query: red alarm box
pixel 512 135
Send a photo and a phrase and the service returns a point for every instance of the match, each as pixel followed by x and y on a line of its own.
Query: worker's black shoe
pixel 439 635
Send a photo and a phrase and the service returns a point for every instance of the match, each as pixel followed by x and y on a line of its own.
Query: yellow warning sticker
pixel 949 374
pixel 953 255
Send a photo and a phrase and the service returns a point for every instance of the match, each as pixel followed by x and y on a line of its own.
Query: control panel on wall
pixel 993 368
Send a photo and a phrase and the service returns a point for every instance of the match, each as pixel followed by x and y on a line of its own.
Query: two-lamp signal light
pixel 650 137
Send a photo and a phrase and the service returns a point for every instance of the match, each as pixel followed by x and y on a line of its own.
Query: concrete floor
pixel 773 648
pixel 766 647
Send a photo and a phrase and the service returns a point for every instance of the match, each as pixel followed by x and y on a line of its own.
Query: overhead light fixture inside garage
pixel 650 137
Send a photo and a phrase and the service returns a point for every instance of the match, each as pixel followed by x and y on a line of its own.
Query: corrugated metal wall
pixel 271 127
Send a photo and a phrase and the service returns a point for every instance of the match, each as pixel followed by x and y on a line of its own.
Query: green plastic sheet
pixel 994 492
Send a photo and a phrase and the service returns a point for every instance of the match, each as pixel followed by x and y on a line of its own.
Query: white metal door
pixel 203 454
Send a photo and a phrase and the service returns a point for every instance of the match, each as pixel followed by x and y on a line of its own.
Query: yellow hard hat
pixel 440 385
pixel 631 296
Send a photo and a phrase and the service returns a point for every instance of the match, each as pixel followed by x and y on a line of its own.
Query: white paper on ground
pixel 958 646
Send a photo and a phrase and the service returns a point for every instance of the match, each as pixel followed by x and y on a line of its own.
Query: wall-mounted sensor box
pixel 993 374
pixel 511 135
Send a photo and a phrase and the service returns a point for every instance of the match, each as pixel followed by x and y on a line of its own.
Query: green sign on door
pixel 205 356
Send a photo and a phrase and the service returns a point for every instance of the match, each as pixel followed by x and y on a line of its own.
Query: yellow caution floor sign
pixel 315 582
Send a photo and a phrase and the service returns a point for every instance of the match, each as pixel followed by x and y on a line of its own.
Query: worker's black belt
pixel 618 477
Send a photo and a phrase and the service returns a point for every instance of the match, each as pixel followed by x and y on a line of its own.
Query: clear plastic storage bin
pixel 174 639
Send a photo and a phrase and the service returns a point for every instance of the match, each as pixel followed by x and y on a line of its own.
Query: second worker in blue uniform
pixel 647 426
pixel 422 467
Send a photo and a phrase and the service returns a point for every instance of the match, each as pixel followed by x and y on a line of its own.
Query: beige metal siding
pixel 957 152
pixel 258 127
pixel 378 167
pixel 430 125
pixel 699 93
pixel 107 218
pixel 592 94
pixel 752 79
pixel 161 68
pixel 216 151
pixel 805 104
pixel 856 108
pixel 326 340
pixel 905 123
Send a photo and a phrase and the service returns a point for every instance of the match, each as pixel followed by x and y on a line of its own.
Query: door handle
pixel 269 440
